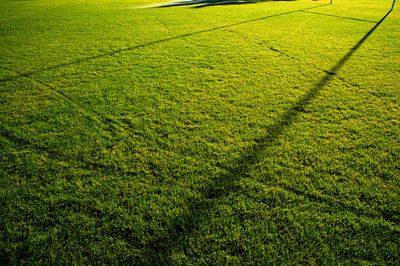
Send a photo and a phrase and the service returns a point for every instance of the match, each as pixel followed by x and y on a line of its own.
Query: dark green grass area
pixel 259 133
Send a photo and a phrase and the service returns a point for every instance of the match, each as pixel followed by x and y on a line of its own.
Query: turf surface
pixel 214 133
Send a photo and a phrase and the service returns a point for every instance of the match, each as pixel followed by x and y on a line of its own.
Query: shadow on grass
pixel 205 3
pixel 182 227
pixel 28 74
pixel 234 2
pixel 336 16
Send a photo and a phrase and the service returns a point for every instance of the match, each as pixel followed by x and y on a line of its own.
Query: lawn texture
pixel 215 133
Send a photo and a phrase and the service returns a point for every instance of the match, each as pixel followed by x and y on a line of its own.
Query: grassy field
pixel 215 133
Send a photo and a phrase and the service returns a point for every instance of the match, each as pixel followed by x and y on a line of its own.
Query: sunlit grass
pixel 255 133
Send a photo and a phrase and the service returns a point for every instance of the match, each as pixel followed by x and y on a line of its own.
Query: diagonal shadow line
pixel 330 15
pixel 198 209
pixel 254 153
pixel 131 48
pixel 229 3
pixel 206 2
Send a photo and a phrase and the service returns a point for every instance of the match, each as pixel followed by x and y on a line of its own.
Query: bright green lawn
pixel 220 134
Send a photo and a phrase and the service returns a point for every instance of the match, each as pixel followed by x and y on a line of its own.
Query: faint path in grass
pixel 131 48
pixel 198 209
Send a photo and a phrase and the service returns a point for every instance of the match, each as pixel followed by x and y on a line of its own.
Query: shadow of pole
pixel 335 16
pixel 198 210
pixel 205 3
pixel 131 48
pixel 287 118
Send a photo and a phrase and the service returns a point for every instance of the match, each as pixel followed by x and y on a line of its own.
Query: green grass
pixel 220 134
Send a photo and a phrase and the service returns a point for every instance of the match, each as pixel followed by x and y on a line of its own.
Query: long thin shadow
pixel 233 2
pixel 115 52
pixel 329 15
pixel 287 118
pixel 203 3
pixel 199 209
